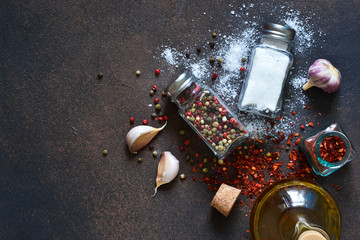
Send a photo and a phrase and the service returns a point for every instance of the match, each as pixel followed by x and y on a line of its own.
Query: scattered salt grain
pixel 234 46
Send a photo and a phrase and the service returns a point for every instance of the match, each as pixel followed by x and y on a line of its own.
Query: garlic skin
pixel 324 75
pixel 168 169
pixel 139 136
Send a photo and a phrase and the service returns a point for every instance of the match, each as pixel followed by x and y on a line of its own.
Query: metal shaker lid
pixel 182 82
pixel 279 31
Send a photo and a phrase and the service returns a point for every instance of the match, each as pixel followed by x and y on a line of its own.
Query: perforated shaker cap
pixel 279 31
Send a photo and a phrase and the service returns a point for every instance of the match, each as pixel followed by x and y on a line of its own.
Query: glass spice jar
pixel 201 108
pixel 328 150
pixel 268 71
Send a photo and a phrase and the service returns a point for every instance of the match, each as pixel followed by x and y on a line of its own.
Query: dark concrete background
pixel 57 117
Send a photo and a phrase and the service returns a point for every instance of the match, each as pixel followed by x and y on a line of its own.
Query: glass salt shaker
pixel 206 114
pixel 268 71
pixel 328 150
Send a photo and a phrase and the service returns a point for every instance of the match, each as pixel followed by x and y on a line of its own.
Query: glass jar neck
pixel 276 42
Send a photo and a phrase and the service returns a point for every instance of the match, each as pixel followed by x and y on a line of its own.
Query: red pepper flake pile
pixel 251 169
pixel 332 149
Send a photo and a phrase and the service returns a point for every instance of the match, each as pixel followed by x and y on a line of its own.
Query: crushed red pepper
pixel 332 149
pixel 252 169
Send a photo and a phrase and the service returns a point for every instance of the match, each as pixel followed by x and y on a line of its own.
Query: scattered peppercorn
pixel 220 61
pixel 214 75
pixel 242 69
pixel 182 176
pixel 212 59
pixel 243 59
pixel 161 119
pixel 140 160
pixel 198 49
pixel 154 87
pixel 187 54
pixel 145 122
pixel 157 71
pixel 132 120
pixel 138 73
pixel 151 92
pixel 220 161
pixel 302 127
pixel 166 117
pixel 105 152
pixel 182 132
pixel 153 115
pixel 212 44
pixel 156 100
pixel 163 94
pixel 158 107
pixel 155 153
pixel 214 34
pixel 100 75
pixel 205 170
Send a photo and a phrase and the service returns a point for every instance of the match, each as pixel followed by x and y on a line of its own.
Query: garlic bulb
pixel 168 168
pixel 324 75
pixel 139 136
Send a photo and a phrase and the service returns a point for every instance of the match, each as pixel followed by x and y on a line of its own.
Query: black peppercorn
pixel 212 44
pixel 100 75
pixel 198 49
pixel 187 54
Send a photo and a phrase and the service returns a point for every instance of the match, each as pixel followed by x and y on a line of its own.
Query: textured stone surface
pixel 57 117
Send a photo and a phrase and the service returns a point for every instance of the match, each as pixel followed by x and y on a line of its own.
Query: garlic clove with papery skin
pixel 139 136
pixel 324 75
pixel 168 169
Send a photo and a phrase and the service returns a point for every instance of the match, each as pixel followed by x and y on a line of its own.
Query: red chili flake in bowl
pixel 332 149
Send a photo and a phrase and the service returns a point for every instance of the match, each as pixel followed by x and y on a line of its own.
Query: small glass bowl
pixel 311 147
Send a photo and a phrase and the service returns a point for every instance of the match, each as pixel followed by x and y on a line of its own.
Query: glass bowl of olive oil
pixel 295 209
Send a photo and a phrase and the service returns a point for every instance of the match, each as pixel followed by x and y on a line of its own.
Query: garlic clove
pixel 139 136
pixel 324 75
pixel 168 169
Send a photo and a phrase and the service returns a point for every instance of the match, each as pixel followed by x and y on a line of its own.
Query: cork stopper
pixel 225 198
pixel 312 235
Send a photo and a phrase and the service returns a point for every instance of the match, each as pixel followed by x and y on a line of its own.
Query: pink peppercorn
pixel 225 135
pixel 166 118
pixel 132 120
pixel 157 71
pixel 145 122
pixel 214 75
pixel 242 69
pixel 199 104
pixel 154 88
pixel 156 100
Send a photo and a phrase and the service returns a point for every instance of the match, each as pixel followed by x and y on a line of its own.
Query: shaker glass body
pixel 268 71
pixel 207 115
